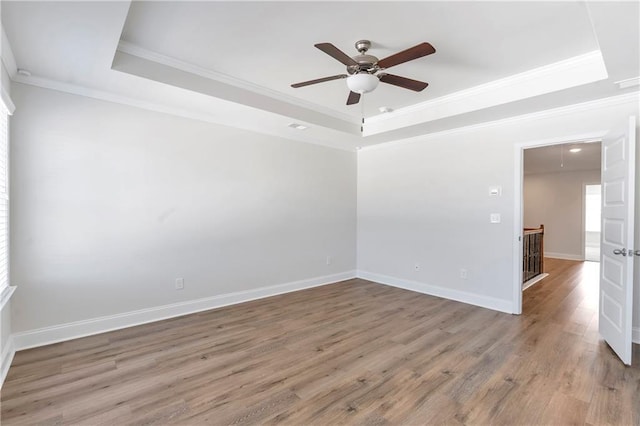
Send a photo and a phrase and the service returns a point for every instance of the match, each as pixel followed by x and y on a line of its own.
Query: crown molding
pixel 193 83
pixel 632 97
pixel 140 52
pixel 9 64
pixel 628 82
pixel 440 103
pixel 117 98
pixel 575 71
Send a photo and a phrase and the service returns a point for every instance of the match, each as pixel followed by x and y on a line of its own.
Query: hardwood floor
pixel 348 353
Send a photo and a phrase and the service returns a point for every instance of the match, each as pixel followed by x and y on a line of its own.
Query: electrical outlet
pixel 416 267
pixel 179 283
pixel 463 273
pixel 328 260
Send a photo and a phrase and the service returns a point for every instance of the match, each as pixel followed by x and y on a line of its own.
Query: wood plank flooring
pixel 348 353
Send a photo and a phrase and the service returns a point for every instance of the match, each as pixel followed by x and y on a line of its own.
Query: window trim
pixel 7 107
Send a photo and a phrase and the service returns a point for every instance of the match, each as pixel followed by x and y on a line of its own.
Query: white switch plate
pixel 495 191
pixel 494 217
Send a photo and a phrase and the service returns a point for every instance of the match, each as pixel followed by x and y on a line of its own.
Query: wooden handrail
pixel 533 252
pixel 539 230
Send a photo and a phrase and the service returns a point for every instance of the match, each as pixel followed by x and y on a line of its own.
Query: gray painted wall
pixel 112 203
pixel 556 200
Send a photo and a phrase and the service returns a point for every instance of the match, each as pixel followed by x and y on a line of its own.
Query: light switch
pixel 494 217
pixel 495 191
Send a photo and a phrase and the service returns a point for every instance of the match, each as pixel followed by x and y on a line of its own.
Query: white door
pixel 616 263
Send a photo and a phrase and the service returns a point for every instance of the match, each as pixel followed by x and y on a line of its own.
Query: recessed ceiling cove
pixel 269 44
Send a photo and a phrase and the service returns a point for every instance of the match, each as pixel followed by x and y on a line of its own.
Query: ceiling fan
pixel 364 70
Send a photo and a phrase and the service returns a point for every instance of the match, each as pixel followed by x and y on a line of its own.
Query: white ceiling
pixel 558 158
pixel 233 62
pixel 272 44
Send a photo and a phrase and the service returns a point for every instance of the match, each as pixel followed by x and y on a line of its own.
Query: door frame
pixel 518 211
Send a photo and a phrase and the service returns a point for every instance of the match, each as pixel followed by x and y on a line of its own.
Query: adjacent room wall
pixel 426 201
pixel 557 201
pixel 112 203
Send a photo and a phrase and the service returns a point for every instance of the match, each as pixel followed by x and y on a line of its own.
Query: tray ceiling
pixel 233 62
pixel 270 44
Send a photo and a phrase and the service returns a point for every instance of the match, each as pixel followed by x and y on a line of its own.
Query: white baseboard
pixel 8 351
pixel 74 330
pixel 635 337
pixel 447 293
pixel 563 256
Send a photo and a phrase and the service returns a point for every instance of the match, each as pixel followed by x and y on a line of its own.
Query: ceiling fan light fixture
pixel 362 82
pixel 362 69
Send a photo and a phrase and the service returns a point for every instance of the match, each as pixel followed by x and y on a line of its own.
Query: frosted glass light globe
pixel 362 83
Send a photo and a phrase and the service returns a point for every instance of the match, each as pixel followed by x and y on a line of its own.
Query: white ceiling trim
pixel 575 71
pixel 177 78
pixel 629 82
pixel 102 95
pixel 8 59
pixel 582 69
pixel 134 50
pixel 633 97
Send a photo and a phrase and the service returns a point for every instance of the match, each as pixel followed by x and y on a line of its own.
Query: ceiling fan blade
pixel 353 98
pixel 407 83
pixel 336 53
pixel 415 52
pixel 319 80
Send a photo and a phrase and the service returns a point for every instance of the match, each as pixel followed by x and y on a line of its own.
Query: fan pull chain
pixel 561 156
pixel 362 115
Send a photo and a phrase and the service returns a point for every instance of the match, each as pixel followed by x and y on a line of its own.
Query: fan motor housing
pixel 365 63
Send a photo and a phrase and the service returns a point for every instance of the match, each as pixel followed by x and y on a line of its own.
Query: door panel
pixel 616 266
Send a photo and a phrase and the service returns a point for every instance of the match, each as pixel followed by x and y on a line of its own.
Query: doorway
pixel 615 285
pixel 576 158
pixel 561 190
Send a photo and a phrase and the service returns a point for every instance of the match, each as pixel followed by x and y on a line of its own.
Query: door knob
pixel 622 252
